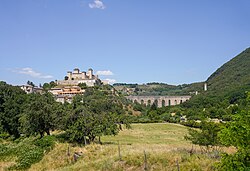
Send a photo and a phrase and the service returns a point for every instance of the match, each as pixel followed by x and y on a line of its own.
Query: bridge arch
pixel 163 103
pixel 160 101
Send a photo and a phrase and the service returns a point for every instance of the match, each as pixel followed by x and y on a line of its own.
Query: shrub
pixel 27 158
pixel 45 143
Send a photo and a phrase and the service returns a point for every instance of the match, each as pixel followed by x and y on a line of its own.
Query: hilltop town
pixel 72 84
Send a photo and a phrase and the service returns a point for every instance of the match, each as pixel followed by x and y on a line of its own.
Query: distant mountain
pixel 232 76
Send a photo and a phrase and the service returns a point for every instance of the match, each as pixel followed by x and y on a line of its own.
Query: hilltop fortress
pixel 76 77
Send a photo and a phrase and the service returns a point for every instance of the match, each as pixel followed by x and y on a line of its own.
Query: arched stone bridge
pixel 159 100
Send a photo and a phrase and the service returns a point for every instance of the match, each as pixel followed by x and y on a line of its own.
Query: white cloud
pixel 97 4
pixel 32 73
pixel 110 81
pixel 108 72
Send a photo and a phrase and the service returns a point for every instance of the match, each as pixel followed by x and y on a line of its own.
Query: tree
pixel 237 133
pixel 207 136
pixel 91 125
pixel 47 86
pixel 95 113
pixel 30 83
pixel 38 117
pixel 12 99
pixel 82 85
pixel 52 84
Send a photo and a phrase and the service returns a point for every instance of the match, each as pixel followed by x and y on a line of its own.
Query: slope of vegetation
pixel 158 89
pixel 227 89
pixel 234 74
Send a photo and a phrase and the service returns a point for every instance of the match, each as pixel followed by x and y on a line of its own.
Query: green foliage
pixel 28 157
pixel 30 83
pixel 92 125
pixel 3 150
pixel 38 116
pixel 240 161
pixel 226 86
pixel 237 134
pixel 232 75
pixel 12 99
pixel 46 142
pixel 207 135
pixel 26 151
pixel 138 107
pixel 98 112
pixel 47 86
pixel 83 85
pixel 192 123
pixel 155 89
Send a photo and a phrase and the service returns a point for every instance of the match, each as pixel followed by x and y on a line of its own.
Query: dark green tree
pixel 12 99
pixel 82 85
pixel 47 86
pixel 30 83
pixel 38 116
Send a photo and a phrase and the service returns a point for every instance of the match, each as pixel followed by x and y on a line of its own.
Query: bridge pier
pixel 160 100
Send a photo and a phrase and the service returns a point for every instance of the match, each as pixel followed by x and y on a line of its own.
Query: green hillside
pixel 234 74
pixel 158 89
pixel 227 85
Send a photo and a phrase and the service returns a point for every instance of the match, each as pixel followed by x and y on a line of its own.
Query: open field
pixel 163 144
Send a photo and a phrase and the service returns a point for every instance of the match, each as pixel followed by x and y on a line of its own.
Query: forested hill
pixel 158 89
pixel 232 76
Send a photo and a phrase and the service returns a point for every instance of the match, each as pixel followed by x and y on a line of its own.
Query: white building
pixel 31 89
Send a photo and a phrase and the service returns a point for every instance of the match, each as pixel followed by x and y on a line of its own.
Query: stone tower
pixel 90 73
pixel 205 86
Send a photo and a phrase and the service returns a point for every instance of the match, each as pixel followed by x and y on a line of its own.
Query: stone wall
pixel 159 100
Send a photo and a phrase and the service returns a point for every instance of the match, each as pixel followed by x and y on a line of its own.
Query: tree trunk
pixel 91 138
pixel 41 134
pixel 100 140
pixel 48 132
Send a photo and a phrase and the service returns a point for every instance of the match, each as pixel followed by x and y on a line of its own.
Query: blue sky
pixel 132 41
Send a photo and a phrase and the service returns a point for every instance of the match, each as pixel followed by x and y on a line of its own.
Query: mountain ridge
pixel 231 75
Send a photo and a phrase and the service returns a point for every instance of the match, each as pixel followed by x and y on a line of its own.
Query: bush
pixel 45 143
pixel 3 150
pixel 235 162
pixel 4 135
pixel 26 151
pixel 27 158
pixel 192 123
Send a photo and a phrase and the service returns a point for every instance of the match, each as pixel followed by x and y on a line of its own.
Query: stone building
pixel 76 77
pixel 31 89
pixel 66 94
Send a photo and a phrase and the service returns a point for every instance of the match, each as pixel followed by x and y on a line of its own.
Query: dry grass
pixel 5 164
pixel 164 145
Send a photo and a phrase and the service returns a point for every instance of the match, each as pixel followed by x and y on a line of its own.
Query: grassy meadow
pixel 163 143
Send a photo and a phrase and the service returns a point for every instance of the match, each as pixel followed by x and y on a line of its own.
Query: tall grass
pixel 164 145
